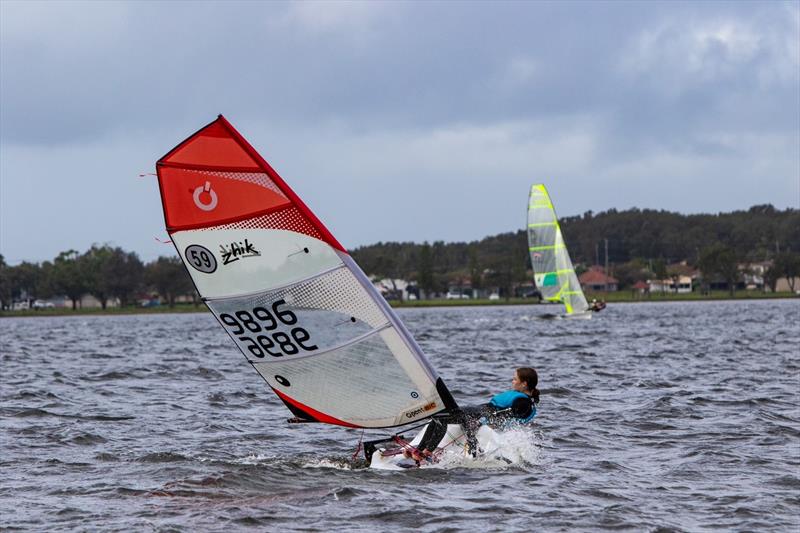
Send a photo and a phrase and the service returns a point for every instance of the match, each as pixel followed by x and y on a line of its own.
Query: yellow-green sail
pixel 552 268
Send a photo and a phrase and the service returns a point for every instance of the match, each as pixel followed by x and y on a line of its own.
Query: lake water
pixel 654 417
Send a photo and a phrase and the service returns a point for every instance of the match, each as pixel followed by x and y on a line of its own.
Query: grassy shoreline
pixel 611 298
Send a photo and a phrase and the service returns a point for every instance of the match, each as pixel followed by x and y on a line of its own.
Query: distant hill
pixel 645 234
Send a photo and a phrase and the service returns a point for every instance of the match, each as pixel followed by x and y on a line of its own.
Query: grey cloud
pixel 456 107
pixel 417 65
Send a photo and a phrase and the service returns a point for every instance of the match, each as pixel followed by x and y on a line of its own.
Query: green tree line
pixel 642 243
pixel 752 235
pixel 105 272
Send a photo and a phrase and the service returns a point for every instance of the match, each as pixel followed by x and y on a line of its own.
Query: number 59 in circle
pixel 201 258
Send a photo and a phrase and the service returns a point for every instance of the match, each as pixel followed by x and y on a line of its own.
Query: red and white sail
pixel 290 296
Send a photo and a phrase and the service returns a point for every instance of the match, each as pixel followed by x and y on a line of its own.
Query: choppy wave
pixel 658 417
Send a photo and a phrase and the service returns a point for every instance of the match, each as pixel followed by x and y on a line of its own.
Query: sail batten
pixel 287 293
pixel 208 168
pixel 554 273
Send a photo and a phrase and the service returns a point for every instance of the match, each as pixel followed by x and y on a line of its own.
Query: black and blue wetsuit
pixel 513 406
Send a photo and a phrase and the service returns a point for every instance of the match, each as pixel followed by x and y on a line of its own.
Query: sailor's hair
pixel 529 376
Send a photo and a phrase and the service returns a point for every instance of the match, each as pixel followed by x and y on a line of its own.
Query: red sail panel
pixel 200 198
pixel 215 177
pixel 211 147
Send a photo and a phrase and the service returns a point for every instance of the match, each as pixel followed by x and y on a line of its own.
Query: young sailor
pixel 597 306
pixel 515 406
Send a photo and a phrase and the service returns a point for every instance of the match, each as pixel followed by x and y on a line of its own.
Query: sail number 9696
pixel 256 329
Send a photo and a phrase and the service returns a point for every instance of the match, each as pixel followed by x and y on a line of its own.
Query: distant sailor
pixel 597 306
pixel 515 406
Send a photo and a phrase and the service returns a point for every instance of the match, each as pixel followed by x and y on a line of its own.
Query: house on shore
pixel 681 279
pixel 753 274
pixel 596 280
pixel 678 285
pixel 395 289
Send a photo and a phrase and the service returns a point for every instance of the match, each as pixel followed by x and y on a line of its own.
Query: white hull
pixel 452 449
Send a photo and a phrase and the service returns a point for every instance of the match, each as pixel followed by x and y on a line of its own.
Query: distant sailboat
pixel 552 268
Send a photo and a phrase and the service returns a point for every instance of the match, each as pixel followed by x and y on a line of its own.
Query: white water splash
pixel 326 462
pixel 508 449
pixel 255 459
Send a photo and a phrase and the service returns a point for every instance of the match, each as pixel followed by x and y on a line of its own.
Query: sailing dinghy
pixel 291 298
pixel 553 272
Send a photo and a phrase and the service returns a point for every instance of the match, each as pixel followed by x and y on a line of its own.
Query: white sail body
pixel 552 268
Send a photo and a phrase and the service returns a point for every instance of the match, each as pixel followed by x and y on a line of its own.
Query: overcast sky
pixel 403 121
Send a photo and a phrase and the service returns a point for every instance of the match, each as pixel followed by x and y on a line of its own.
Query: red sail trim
pixel 327 235
pixel 322 417
pixel 209 168
pixel 270 210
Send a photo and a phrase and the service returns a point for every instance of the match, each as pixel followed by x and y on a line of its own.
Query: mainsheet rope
pixel 358 448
